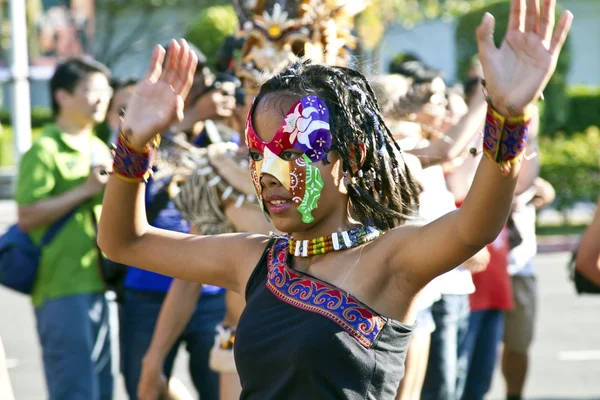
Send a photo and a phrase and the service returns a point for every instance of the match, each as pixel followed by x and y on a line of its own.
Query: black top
pixel 302 338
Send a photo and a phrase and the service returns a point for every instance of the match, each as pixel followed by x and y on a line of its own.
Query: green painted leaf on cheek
pixel 312 194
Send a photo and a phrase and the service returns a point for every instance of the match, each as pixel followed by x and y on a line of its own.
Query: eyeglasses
pixel 105 91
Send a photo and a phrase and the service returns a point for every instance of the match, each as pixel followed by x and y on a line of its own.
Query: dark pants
pixel 139 314
pixel 481 346
pixel 451 316
pixel 75 336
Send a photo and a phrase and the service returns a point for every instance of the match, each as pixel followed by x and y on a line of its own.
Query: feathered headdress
pixel 277 32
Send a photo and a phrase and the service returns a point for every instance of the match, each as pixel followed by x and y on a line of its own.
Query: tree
pixel 373 23
pixel 127 25
pixel 556 104
pixel 210 28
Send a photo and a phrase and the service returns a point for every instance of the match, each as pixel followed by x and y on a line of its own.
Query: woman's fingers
pixel 169 74
pixel 187 59
pixel 561 32
pixel 532 14
pixel 190 71
pixel 155 66
pixel 515 20
pixel 547 21
pixel 485 36
pixel 181 73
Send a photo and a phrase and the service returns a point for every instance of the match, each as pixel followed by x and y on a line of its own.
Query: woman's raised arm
pixel 124 233
pixel 515 75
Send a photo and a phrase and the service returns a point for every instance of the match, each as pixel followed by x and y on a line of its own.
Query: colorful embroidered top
pixel 302 338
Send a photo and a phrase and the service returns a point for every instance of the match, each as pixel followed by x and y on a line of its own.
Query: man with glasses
pixel 62 176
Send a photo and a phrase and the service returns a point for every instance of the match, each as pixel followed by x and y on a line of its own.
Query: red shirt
pixel 493 289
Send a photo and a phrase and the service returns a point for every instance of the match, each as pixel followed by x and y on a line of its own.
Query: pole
pixel 21 106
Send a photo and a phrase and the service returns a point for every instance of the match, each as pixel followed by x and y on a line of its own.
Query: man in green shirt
pixel 63 171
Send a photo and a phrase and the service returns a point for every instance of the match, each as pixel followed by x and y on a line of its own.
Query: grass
pixel 560 230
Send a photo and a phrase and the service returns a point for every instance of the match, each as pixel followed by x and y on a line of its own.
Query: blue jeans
pixel 481 347
pixel 139 314
pixel 74 334
pixel 451 316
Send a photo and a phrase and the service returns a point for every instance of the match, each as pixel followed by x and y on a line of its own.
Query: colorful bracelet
pixel 504 139
pixel 133 164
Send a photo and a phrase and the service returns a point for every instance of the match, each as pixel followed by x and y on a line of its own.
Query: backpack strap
pixel 55 228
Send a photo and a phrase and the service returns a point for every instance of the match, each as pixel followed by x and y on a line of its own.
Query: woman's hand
pixel 519 70
pixel 152 384
pixel 157 100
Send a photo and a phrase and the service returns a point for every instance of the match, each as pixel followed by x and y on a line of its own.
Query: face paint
pixel 312 191
pixel 305 128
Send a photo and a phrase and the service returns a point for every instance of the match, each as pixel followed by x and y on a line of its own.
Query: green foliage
pixel 369 28
pixel 556 107
pixel 372 23
pixel 121 5
pixel 40 116
pixel 572 165
pixel 6 145
pixel 584 109
pixel 210 28
pixel 6 141
pixel 411 12
pixel 141 17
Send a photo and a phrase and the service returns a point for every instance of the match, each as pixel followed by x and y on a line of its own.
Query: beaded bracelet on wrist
pixel 134 164
pixel 504 139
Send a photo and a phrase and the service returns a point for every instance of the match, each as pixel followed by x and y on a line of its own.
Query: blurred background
pixel 440 33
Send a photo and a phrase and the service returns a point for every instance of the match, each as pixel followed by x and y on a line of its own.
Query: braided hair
pixel 382 191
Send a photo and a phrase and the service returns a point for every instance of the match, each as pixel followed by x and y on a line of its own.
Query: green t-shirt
pixel 55 164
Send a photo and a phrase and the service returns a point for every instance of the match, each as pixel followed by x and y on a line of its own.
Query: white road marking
pixel 582 355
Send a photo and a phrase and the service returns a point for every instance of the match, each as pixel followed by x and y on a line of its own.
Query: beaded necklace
pixel 334 242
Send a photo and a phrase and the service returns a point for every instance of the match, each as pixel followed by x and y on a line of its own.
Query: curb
pixel 7 182
pixel 557 243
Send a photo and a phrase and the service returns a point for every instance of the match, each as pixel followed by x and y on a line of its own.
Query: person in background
pixel 437 131
pixel 451 313
pixel 481 343
pixel 588 256
pixel 203 205
pixel 146 291
pixel 122 91
pixel 443 306
pixel 493 295
pixel 519 324
pixel 62 176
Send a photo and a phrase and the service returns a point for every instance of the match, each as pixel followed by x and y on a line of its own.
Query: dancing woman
pixel 327 306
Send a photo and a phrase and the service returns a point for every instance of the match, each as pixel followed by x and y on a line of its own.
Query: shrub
pixel 40 116
pixel 584 109
pixel 7 157
pixel 572 165
pixel 6 145
pixel 556 103
pixel 209 30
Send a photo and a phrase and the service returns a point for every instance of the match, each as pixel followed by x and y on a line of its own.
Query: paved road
pixel 566 354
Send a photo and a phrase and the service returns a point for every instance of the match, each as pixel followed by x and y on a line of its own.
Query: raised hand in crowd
pixel 518 71
pixel 158 99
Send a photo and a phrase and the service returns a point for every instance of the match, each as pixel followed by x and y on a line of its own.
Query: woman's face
pixel 288 139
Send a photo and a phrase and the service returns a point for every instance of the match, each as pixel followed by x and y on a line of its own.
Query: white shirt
pixel 435 201
pixel 520 258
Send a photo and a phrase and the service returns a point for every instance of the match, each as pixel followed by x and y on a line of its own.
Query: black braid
pixel 385 195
